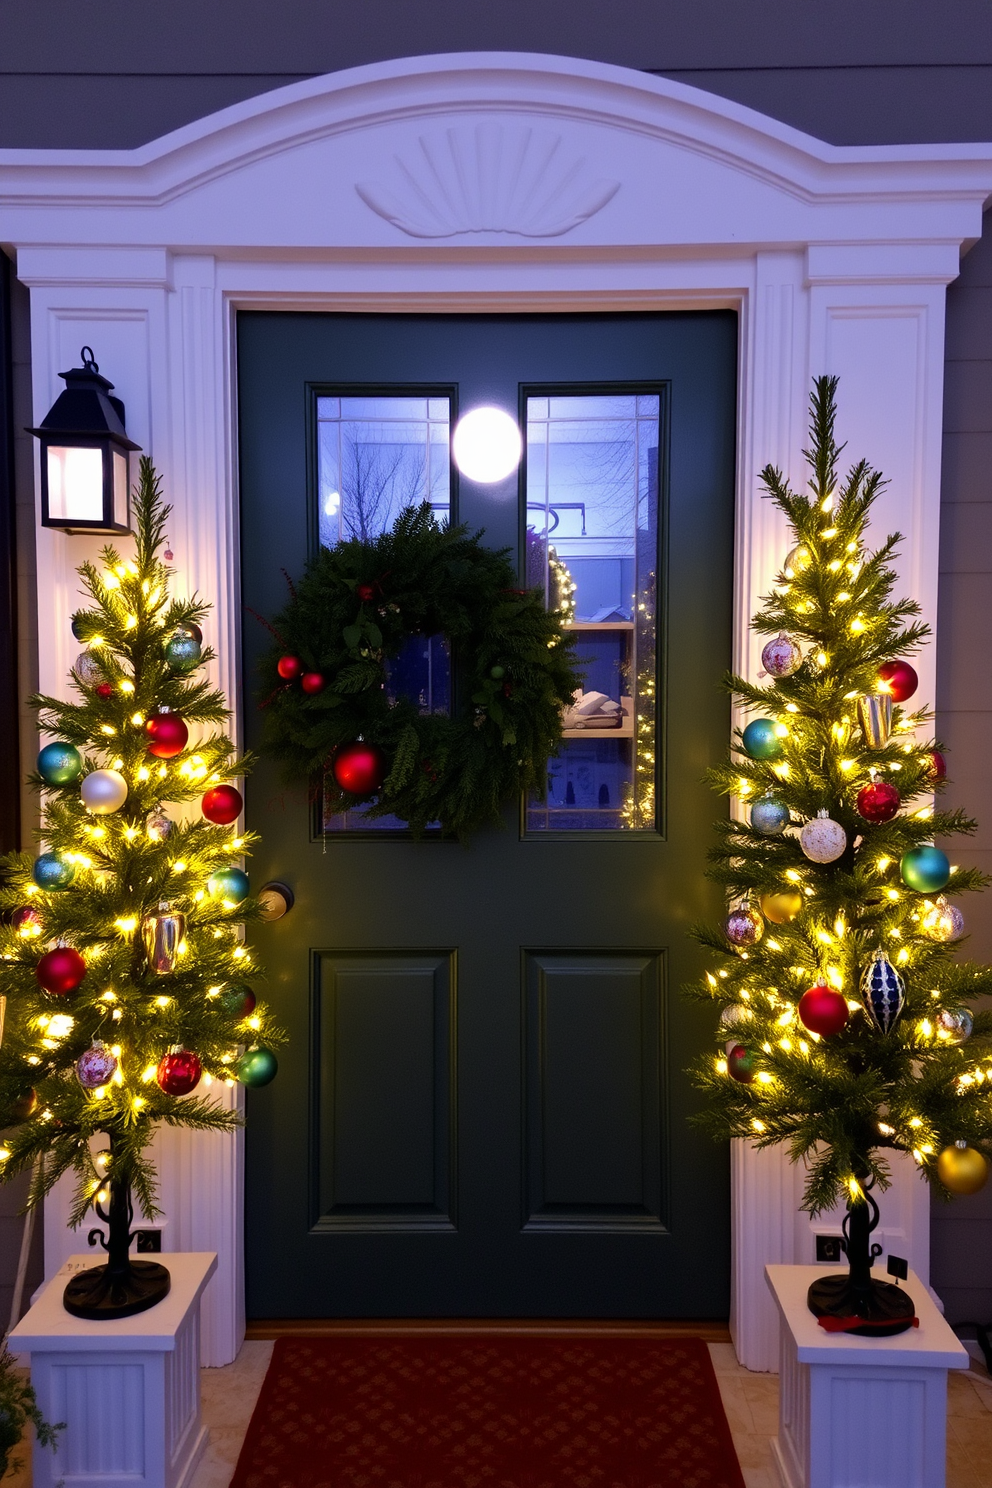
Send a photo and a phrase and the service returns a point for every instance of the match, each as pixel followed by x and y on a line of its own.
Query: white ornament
pixel 781 656
pixel 103 791
pixel 823 840
pixel 88 669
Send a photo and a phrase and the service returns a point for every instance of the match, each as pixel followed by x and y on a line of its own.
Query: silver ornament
pixel 883 991
pixel 954 1025
pixel 732 1015
pixel 769 816
pixel 942 921
pixel 159 827
pixel 875 718
pixel 743 926
pixel 95 1066
pixel 823 840
pixel 103 791
pixel 88 669
pixel 782 656
pixel 797 560
pixel 162 934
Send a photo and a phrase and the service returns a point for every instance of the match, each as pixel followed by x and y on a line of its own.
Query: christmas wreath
pixel 332 720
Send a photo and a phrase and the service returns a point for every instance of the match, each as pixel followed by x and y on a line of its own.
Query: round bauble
pixel 167 734
pixel 899 680
pixel 760 739
pixel 228 883
pixel 76 626
pixel 222 805
pixel 53 871
pixel 942 921
pixel 883 991
pixel 312 682
pixel 954 1025
pixel 878 802
pixel 104 691
pixel 732 1014
pixel 782 656
pixel 796 560
pixel 823 1011
pixel 743 926
pixel 59 764
pixel 781 907
pixel 938 766
pixel 103 791
pixel 159 826
pixel 238 1000
pixel 769 816
pixel 60 971
pixel 257 1067
pixel 741 1064
pixel 182 651
pixel 497 673
pixel 289 668
pixel 925 869
pixel 191 629
pixel 365 592
pixel 96 1066
pixel 26 920
pixel 962 1169
pixel 23 1106
pixel 823 840
pixel 88 669
pixel 359 768
pixel 178 1072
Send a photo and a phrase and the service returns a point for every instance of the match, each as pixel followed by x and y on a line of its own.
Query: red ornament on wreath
pixel 289 668
pixel 105 690
pixel 178 1071
pixel 365 592
pixel 312 682
pixel 823 1010
pixel 900 680
pixel 938 766
pixel 167 734
pixel 222 805
pixel 878 802
pixel 359 768
pixel 60 972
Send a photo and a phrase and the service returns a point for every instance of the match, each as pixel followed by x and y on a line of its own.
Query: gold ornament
pixel 782 906
pixel 162 934
pixel 962 1169
pixel 875 718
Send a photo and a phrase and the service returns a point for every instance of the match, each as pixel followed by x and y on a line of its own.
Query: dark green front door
pixel 482 1110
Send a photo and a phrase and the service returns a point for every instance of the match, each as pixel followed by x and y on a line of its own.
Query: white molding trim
pixel 836 259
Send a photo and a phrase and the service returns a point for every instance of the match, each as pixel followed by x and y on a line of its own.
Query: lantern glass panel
pixel 120 489
pixel 75 484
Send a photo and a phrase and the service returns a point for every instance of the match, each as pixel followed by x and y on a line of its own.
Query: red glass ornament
pixel 289 667
pixel 105 690
pixel 167 734
pixel 823 1010
pixel 178 1072
pixel 60 971
pixel 938 766
pixel 900 679
pixel 878 802
pixel 365 592
pixel 26 920
pixel 312 682
pixel 359 768
pixel 222 805
pixel 740 1064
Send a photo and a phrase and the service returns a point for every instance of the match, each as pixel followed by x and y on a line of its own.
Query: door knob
pixel 275 899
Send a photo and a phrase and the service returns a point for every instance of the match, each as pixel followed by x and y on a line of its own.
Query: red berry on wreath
pixel 365 592
pixel 359 768
pixel 740 1064
pixel 938 766
pixel 222 805
pixel 312 682
pixel 900 680
pixel 878 802
pixel 289 667
pixel 167 734
pixel 60 971
pixel 178 1071
pixel 105 691
pixel 823 1010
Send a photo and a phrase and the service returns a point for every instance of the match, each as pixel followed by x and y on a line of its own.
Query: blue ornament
pixel 883 991
pixel 77 629
pixel 925 869
pixel 769 816
pixel 53 871
pixel 182 651
pixel 59 764
pixel 760 739
pixel 228 883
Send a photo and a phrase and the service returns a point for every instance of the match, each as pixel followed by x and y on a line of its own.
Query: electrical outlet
pixel 148 1242
pixel 828 1248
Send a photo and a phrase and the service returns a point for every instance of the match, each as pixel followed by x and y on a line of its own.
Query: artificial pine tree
pixel 846 1023
pixel 121 955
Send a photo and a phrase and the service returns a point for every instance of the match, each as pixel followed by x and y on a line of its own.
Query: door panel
pixel 482 1111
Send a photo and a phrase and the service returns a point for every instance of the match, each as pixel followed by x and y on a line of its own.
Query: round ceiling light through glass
pixel 487 445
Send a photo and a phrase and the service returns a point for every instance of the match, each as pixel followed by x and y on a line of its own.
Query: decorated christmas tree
pixel 122 962
pixel 846 1027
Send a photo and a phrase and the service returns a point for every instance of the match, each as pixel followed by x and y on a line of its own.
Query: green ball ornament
pixel 228 883
pixel 53 871
pixel 760 739
pixel 925 869
pixel 60 764
pixel 497 672
pixel 183 651
pixel 257 1067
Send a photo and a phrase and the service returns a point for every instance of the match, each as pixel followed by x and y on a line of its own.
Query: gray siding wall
pixel 110 74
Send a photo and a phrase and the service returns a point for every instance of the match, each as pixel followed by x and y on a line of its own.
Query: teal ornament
pixel 760 739
pixel 53 871
pixel 183 651
pixel 769 816
pixel 925 869
pixel 60 764
pixel 883 991
pixel 257 1067
pixel 228 883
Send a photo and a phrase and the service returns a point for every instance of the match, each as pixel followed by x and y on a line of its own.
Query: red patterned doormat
pixel 478 1411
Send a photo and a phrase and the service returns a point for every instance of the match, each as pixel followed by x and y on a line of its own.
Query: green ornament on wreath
pixel 330 719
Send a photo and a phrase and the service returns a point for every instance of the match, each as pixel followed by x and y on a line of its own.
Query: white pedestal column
pixel 860 1412
pixel 128 1391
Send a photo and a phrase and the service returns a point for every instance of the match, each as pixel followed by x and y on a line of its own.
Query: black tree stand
pixel 885 1309
pixel 122 1287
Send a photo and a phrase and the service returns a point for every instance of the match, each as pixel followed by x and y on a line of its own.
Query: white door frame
pixel 495 181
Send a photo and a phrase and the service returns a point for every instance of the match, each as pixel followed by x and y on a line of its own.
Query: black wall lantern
pixel 84 455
